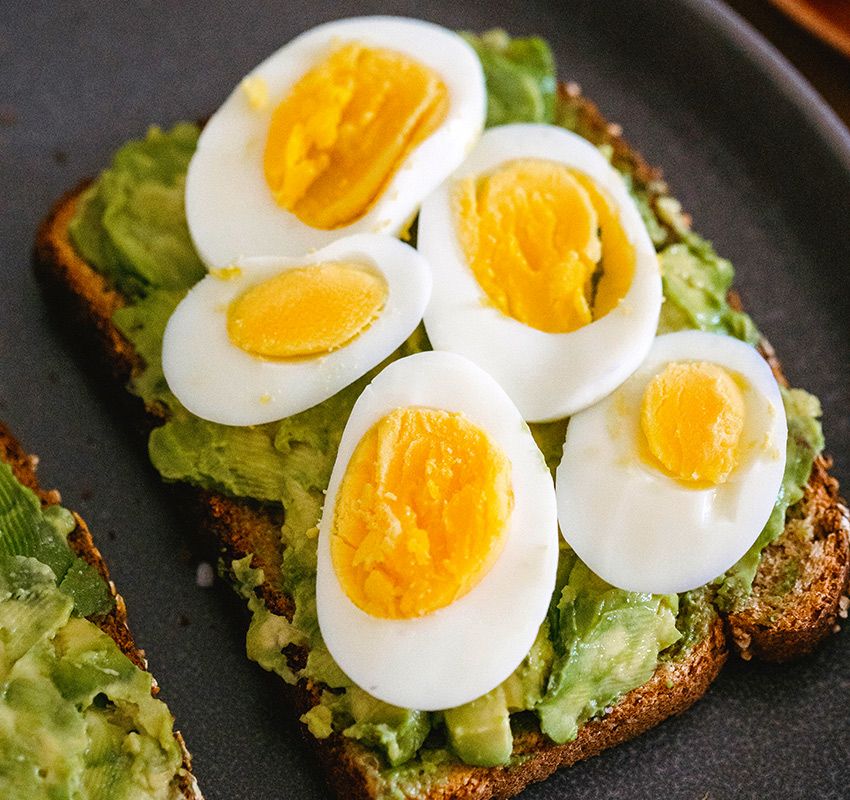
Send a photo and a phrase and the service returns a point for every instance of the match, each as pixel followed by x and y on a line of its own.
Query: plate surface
pixel 749 149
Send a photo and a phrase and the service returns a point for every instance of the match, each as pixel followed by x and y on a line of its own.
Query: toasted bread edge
pixel 114 624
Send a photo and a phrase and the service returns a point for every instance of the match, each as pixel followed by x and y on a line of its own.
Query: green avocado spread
pixel 597 642
pixel 77 719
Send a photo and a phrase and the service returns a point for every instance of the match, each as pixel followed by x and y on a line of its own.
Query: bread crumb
pixel 204 575
pixel 614 129
pixel 742 640
pixel 573 89
pixel 836 628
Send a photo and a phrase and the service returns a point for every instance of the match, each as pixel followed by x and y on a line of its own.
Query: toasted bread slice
pixel 774 624
pixel 114 624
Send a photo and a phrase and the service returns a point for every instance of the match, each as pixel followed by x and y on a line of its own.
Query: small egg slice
pixel 667 482
pixel 343 130
pixel 438 544
pixel 270 337
pixel 544 273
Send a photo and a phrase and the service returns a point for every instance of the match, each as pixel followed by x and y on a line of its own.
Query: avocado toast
pixel 780 620
pixel 98 729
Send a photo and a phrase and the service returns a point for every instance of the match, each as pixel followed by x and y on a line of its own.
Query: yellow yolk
pixel 692 416
pixel 306 311
pixel 544 243
pixel 345 128
pixel 421 513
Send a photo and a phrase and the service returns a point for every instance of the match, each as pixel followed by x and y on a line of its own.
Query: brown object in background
pixel 827 19
pixel 827 69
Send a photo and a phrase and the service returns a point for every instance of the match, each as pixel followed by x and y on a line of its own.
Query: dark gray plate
pixel 748 147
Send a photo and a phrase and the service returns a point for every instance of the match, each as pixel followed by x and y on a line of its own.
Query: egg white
pixel 229 207
pixel 547 375
pixel 218 381
pixel 644 531
pixel 463 650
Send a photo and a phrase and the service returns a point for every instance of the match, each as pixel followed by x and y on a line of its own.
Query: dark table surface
pixel 752 153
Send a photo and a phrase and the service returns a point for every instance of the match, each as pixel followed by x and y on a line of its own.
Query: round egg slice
pixel 544 273
pixel 667 482
pixel 270 337
pixel 438 543
pixel 344 130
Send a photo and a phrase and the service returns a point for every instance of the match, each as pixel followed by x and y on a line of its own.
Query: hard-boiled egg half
pixel 268 337
pixel 668 481
pixel 344 130
pixel 544 273
pixel 438 543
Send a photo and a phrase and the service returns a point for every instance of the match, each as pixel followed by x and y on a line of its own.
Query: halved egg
pixel 544 273
pixel 438 543
pixel 344 130
pixel 667 482
pixel 268 337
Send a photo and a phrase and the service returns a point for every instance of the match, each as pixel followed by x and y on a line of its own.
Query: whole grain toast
pixel 772 625
pixel 114 624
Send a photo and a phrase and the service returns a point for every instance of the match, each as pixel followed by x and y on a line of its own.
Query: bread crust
pixel 114 624
pixel 673 688
pixel 784 631
pixel 237 528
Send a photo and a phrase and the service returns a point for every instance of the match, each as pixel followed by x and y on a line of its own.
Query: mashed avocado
pixel 77 719
pixel 598 642
pixel 520 76
pixel 28 530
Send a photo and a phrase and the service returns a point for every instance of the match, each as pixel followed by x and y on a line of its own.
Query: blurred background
pixel 814 35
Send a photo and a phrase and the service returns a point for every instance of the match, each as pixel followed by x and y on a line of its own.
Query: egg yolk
pixel 544 243
pixel 306 311
pixel 692 416
pixel 421 514
pixel 345 128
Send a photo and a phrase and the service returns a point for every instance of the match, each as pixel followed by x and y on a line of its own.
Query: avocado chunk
pixel 399 732
pixel 479 732
pixel 77 719
pixel 27 529
pixel 520 75
pixel 607 643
